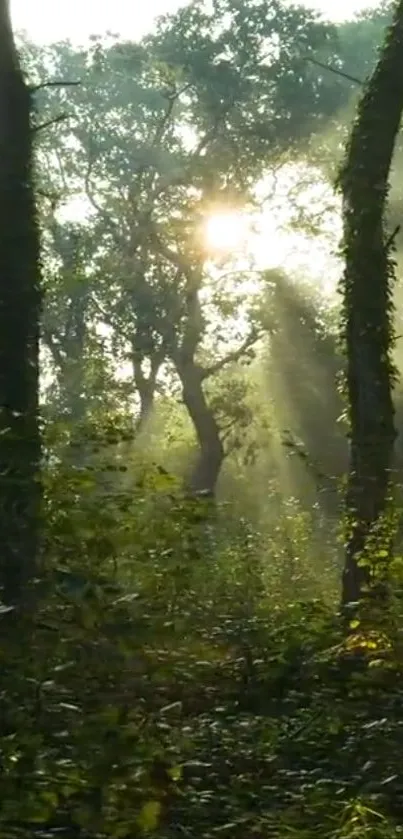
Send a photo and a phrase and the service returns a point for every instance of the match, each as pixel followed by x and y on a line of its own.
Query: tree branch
pixel 334 70
pixel 49 122
pixel 170 255
pixel 231 357
pixel 105 316
pixel 142 381
pixel 194 326
pixel 163 122
pixel 61 83
pixel 391 240
pixel 53 197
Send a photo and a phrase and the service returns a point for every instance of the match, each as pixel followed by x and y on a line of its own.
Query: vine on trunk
pixel 367 316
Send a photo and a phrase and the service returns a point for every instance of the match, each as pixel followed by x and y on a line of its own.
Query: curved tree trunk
pixel 205 474
pixel 367 292
pixel 20 447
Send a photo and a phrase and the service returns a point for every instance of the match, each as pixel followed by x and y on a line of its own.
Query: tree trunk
pixel 65 333
pixel 205 474
pixel 146 385
pixel 20 446
pixel 146 409
pixel 367 323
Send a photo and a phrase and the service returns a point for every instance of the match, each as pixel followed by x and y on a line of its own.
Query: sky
pixel 50 20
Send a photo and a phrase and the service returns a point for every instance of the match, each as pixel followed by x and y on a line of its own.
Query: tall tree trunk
pixel 367 323
pixel 68 355
pixel 146 385
pixel 205 474
pixel 20 447
pixel 74 376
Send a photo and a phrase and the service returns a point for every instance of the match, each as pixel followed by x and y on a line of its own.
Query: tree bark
pixel 204 476
pixel 66 337
pixel 367 289
pixel 145 385
pixel 20 444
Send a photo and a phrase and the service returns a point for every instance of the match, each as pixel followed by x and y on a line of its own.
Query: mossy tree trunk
pixel 20 448
pixel 367 289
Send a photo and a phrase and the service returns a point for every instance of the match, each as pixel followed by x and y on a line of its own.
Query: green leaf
pixel 175 773
pixel 149 816
pixel 354 624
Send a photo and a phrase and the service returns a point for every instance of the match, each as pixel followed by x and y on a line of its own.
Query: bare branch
pixel 49 122
pixel 391 240
pixel 334 70
pixel 61 83
pixel 299 451
pixel 176 94
pixel 233 356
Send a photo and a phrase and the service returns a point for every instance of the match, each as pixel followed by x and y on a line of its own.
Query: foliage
pixel 183 670
pixel 359 40
pixel 170 692
pixel 367 319
pixel 161 134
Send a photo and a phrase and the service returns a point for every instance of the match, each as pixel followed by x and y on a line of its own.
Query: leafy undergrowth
pixel 162 690
pixel 117 721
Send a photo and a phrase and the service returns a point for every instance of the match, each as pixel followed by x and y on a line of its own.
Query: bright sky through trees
pixel 47 20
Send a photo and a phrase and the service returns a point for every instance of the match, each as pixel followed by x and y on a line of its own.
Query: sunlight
pixel 227 231
pixel 295 226
pixel 47 21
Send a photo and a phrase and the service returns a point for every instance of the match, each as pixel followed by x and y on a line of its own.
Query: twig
pixel 334 70
pixel 49 122
pixel 392 237
pixel 35 88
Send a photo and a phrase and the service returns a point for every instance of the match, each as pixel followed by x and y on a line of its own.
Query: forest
pixel 201 528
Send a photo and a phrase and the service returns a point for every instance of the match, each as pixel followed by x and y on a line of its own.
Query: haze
pixel 45 20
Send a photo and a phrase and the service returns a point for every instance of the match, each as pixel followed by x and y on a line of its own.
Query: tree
pixel 66 314
pixel 354 58
pixel 367 289
pixel 360 40
pixel 20 447
pixel 165 132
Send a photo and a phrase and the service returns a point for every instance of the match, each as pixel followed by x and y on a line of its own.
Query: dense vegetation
pixel 201 616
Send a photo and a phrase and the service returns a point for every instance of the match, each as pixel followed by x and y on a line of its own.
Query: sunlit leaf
pixel 175 773
pixel 149 816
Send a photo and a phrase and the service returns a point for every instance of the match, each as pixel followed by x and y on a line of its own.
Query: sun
pixel 226 231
